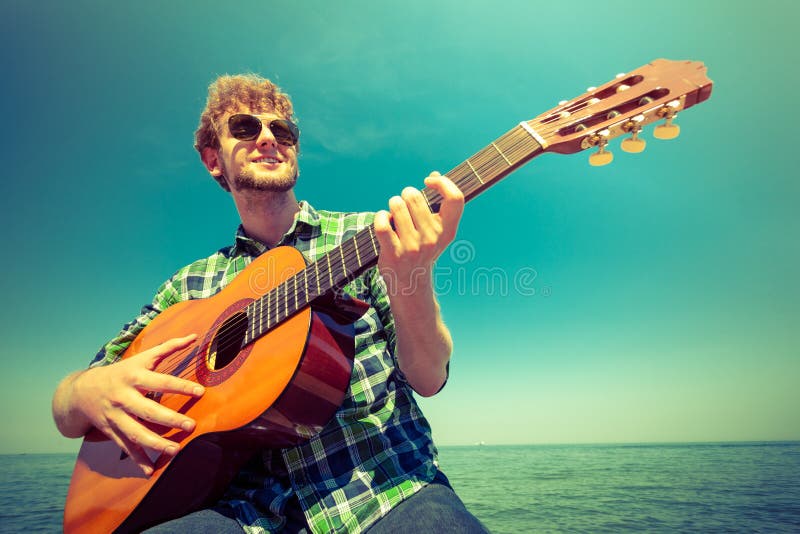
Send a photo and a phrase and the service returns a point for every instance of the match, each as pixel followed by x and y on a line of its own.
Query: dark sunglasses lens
pixel 244 127
pixel 285 132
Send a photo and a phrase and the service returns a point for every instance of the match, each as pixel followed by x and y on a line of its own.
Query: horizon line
pixel 553 444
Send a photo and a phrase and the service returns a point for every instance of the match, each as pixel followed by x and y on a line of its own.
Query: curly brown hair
pixel 228 93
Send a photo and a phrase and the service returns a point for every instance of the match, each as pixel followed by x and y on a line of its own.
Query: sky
pixel 651 300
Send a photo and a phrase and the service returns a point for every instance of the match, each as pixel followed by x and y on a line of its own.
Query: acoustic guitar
pixel 276 346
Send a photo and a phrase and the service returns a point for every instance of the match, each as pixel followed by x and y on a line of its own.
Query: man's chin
pixel 274 185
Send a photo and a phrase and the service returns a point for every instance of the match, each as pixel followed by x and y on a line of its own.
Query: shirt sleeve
pixel 166 296
pixel 379 299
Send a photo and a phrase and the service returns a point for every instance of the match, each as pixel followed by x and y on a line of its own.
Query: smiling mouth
pixel 269 160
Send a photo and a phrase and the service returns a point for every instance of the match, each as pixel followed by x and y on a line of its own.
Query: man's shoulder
pixel 343 221
pixel 218 260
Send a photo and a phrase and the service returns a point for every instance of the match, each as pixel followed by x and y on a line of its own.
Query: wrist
pixel 68 413
pixel 411 284
pixel 417 295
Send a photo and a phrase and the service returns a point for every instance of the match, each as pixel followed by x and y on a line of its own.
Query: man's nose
pixel 265 137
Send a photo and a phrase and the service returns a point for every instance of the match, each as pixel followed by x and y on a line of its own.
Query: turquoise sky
pixel 665 297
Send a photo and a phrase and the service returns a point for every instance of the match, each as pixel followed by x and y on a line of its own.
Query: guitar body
pixel 277 391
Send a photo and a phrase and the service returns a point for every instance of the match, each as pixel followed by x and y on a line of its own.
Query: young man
pixel 374 465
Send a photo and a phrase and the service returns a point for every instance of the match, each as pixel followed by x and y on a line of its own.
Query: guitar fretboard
pixel 344 263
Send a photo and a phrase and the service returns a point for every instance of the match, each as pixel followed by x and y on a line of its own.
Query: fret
pixel 269 308
pixel 316 268
pixel 296 307
pixel 519 143
pixel 372 241
pixel 330 270
pixel 358 255
pixel 261 313
pixel 253 316
pixel 278 301
pixel 501 153
pixel 464 178
pixel 305 283
pixel 459 173
pixel 478 176
pixel 285 301
pixel 344 265
pixel 248 322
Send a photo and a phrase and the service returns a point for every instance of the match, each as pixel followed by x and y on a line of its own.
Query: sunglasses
pixel 245 127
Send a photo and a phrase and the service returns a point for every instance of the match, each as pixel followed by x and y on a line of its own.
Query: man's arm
pixel 408 254
pixel 112 399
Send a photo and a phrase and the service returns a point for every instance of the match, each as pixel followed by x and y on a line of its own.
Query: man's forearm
pixel 424 344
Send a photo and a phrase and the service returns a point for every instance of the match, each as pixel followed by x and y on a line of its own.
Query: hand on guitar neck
pixel 410 245
pixel 112 398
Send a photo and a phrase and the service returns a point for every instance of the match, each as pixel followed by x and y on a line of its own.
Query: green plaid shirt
pixel 374 453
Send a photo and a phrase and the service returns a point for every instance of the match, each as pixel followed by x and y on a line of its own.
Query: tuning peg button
pixel 601 157
pixel 667 131
pixel 633 145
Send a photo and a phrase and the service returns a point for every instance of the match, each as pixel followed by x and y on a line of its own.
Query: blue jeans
pixel 434 508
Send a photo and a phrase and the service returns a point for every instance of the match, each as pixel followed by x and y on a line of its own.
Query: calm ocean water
pixel 744 487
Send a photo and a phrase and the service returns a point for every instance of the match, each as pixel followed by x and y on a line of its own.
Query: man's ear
pixel 210 159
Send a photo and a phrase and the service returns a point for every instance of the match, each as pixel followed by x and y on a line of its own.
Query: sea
pixel 686 487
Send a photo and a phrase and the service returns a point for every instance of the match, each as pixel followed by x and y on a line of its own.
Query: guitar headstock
pixel 656 91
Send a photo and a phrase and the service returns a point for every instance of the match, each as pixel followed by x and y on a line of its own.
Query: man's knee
pixel 435 508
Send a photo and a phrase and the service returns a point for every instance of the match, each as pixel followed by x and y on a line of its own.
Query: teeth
pixel 267 160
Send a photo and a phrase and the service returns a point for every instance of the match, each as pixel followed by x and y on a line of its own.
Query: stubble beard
pixel 246 181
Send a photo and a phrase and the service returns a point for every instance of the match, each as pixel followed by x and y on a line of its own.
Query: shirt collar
pixel 306 224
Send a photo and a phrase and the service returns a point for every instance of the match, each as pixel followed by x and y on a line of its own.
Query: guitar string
pixel 486 162
pixel 466 183
pixel 494 164
pixel 482 163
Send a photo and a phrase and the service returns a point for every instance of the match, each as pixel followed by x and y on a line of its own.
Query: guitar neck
pixel 353 257
pixel 488 166
pixel 621 106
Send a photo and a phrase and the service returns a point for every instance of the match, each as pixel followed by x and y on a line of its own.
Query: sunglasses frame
pixel 285 125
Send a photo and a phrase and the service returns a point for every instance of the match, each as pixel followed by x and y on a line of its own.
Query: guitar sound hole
pixel 228 342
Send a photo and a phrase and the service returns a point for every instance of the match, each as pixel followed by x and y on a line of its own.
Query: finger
pixel 152 411
pixel 422 218
pixel 387 237
pixel 403 224
pixel 142 437
pixel 452 205
pixel 164 383
pixel 135 453
pixel 131 446
pixel 138 456
pixel 155 354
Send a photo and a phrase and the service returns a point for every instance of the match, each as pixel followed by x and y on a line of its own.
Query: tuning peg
pixel 667 130
pixel 602 156
pixel 633 144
